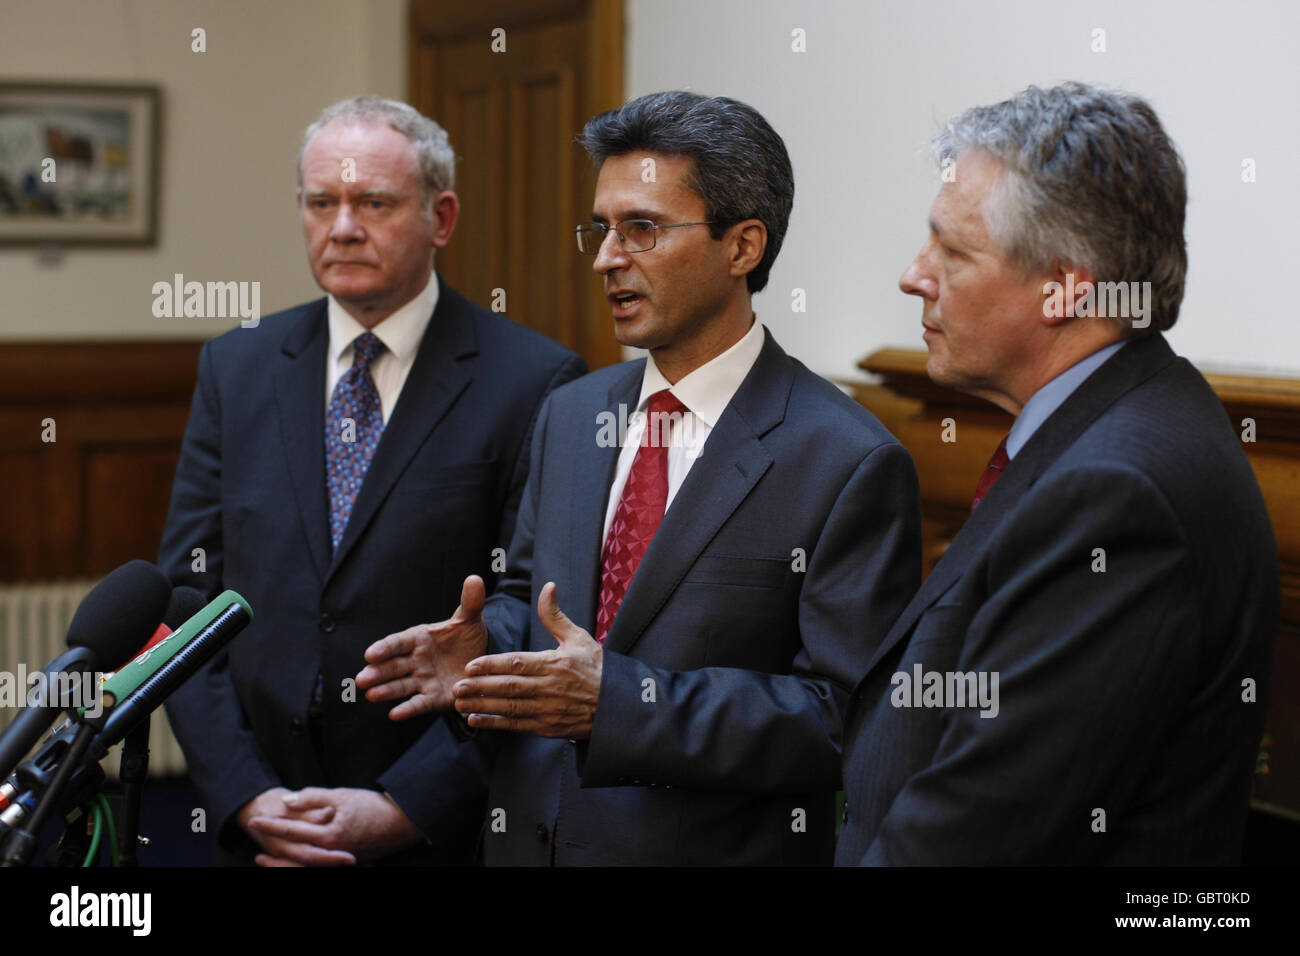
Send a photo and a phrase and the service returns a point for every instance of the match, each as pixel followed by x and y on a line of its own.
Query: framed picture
pixel 78 164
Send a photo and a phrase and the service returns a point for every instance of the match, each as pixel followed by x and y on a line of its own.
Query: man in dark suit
pixel 346 463
pixel 701 723
pixel 1082 678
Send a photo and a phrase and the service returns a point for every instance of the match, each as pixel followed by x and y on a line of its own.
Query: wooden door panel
pixel 523 181
pixel 475 259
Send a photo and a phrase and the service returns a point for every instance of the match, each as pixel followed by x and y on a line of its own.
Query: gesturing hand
pixel 548 693
pixel 423 662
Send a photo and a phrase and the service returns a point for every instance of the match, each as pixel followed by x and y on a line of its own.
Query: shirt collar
pixel 1051 396
pixel 400 332
pixel 707 390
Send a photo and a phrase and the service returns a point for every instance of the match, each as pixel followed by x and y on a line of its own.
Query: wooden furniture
pixel 922 415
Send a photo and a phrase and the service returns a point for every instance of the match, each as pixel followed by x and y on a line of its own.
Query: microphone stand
pixel 134 769
pixel 22 842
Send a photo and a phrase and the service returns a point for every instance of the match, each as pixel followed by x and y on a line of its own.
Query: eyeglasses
pixel 634 235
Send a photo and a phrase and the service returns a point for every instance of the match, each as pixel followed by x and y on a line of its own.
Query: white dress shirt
pixel 705 392
pixel 401 332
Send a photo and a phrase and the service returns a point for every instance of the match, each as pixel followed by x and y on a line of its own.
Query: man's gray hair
pixel 1092 179
pixel 433 153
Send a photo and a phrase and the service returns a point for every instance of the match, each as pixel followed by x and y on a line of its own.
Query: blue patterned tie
pixel 353 424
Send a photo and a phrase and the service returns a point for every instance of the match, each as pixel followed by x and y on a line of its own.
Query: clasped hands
pixel 320 826
pixel 436 667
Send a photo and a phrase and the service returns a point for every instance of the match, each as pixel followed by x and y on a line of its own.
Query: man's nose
pixel 610 256
pixel 917 279
pixel 345 227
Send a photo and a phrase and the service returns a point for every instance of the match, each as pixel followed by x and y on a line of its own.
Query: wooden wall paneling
pixel 97 496
pixel 23 547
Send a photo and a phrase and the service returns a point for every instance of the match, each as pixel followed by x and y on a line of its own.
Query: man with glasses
pixel 726 563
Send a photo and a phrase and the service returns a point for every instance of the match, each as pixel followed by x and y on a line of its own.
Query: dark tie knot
pixel 365 348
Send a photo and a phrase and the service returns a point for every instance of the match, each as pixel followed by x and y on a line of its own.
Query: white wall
pixel 858 109
pixel 232 118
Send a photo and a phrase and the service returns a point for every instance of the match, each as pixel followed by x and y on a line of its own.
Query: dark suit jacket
pixel 441 493
pixel 789 549
pixel 1120 690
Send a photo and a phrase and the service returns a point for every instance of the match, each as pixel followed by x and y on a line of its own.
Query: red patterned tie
pixel 639 512
pixel 991 474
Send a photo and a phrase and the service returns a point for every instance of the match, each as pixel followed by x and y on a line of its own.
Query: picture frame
pixel 79 164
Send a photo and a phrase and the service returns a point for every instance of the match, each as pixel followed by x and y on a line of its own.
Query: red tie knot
pixel 1000 460
pixel 992 472
pixel 662 409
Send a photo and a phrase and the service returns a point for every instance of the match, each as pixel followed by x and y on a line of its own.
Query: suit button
pixel 542 834
pixel 326 623
pixel 295 727
pixel 845 817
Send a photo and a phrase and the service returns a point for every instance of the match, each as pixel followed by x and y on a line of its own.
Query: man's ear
pixel 1069 291
pixel 748 239
pixel 446 210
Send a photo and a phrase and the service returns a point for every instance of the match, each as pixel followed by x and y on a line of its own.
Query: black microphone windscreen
pixel 121 611
pixel 185 603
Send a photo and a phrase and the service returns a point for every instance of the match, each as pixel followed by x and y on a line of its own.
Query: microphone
pixel 140 687
pixel 106 625
pixel 185 603
pixel 132 693
pixel 128 602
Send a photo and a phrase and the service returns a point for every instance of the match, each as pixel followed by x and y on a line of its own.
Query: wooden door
pixel 513 83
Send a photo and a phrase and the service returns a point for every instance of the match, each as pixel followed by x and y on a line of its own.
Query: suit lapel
pixel 300 398
pixel 1126 369
pixel 732 462
pixel 443 368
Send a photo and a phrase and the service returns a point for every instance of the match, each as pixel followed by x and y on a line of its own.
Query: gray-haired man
pixel 1082 678
pixel 347 462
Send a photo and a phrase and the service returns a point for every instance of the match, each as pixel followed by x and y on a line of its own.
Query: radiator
pixel 34 622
